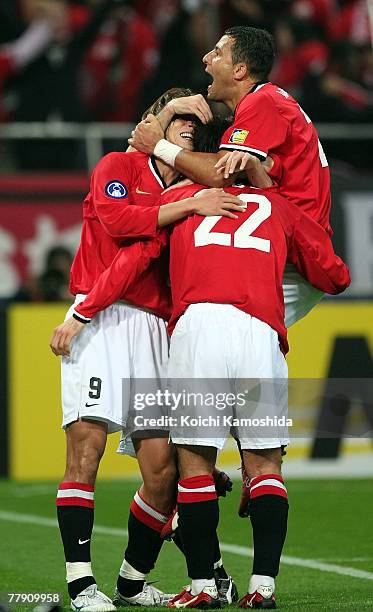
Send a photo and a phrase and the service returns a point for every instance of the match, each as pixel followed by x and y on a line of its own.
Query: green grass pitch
pixel 330 524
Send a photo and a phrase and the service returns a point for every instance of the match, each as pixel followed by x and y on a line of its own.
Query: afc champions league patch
pixel 116 189
pixel 238 136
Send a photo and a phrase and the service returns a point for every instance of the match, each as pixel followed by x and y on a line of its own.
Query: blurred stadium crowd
pixel 106 60
pixel 89 61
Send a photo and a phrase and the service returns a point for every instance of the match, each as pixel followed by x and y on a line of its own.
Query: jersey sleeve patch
pixel 238 136
pixel 116 190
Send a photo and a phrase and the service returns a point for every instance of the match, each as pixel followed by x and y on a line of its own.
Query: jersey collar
pixel 255 87
pixel 157 175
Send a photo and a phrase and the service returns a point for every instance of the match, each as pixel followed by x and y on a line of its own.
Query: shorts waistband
pixel 213 307
pixel 80 297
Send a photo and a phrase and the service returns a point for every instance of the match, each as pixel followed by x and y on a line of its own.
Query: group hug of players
pixel 243 263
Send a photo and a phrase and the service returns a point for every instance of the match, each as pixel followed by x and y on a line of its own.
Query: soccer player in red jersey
pixel 125 341
pixel 227 324
pixel 267 122
pixel 237 271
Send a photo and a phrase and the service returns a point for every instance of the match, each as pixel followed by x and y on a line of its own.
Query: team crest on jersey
pixel 238 136
pixel 116 189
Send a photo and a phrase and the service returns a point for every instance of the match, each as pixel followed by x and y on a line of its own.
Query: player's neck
pixel 167 173
pixel 240 91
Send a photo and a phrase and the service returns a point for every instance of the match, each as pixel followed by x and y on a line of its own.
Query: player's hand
pixel 191 105
pixel 146 135
pixel 63 334
pixel 223 483
pixel 216 201
pixel 236 161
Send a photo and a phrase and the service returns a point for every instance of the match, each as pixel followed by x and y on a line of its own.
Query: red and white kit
pixel 226 280
pixel 126 340
pixel 268 121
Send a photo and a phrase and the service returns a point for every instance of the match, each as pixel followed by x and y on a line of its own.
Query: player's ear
pixel 240 71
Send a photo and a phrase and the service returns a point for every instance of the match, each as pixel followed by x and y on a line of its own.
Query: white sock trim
pixel 218 564
pixel 256 581
pixel 129 572
pixel 200 584
pixel 77 570
pixel 167 151
pixel 149 510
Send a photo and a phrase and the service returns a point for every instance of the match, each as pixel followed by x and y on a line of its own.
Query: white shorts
pixel 299 296
pixel 218 347
pixel 121 342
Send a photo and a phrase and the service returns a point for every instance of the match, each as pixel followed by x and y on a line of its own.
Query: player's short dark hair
pixel 207 137
pixel 167 96
pixel 255 48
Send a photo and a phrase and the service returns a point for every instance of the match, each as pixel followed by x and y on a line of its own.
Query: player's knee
pixel 164 476
pixel 263 461
pixel 83 462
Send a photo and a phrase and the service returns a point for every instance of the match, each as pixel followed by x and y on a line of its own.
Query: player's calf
pixel 75 511
pixel 268 514
pixel 145 523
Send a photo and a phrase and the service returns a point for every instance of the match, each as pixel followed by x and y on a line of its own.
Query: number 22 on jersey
pixel 242 237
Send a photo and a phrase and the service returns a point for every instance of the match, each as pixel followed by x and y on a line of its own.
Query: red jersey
pixel 120 210
pixel 241 261
pixel 269 121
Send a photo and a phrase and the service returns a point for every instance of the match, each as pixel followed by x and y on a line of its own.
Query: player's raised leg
pixel 198 520
pixel 150 510
pixel 86 441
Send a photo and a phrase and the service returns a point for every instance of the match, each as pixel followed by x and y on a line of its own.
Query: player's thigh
pixel 155 455
pixel 201 371
pixel 150 346
pixel 196 460
pixel 200 344
pixel 262 378
pixel 262 461
pixel 92 375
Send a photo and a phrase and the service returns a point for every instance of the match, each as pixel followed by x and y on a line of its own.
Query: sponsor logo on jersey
pixel 238 136
pixel 116 189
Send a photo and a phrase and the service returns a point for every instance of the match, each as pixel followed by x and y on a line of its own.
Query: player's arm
pixel 186 105
pixel 117 216
pixel 207 202
pixel 148 137
pixel 311 251
pixel 111 285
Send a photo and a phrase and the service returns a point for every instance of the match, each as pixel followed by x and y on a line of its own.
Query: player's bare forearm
pixel 258 176
pixel 200 168
pixel 170 213
pixel 207 202
pixel 165 116
pixel 249 165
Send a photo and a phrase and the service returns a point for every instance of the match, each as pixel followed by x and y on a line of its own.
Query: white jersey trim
pixel 243 148
pixel 159 180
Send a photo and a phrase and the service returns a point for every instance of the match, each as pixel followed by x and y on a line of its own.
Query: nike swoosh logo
pixel 187 603
pixel 89 405
pixel 143 192
pixel 83 541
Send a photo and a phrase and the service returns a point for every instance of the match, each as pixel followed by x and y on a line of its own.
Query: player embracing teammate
pixel 267 122
pixel 268 125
